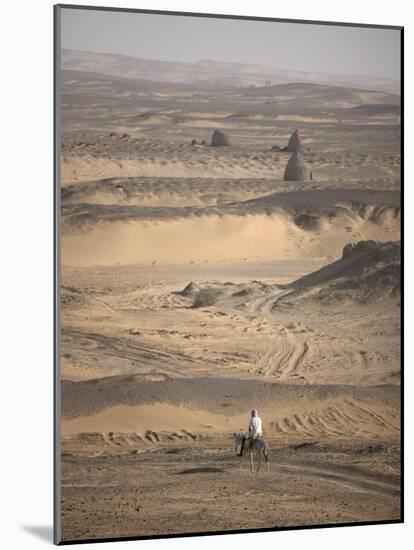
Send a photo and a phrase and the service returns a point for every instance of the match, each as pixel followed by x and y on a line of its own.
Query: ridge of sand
pixel 332 417
pixel 92 396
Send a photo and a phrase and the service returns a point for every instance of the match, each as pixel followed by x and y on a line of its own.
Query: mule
pixel 257 445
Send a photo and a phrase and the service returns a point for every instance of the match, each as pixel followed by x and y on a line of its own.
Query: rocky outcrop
pixel 219 138
pixel 295 143
pixel 297 169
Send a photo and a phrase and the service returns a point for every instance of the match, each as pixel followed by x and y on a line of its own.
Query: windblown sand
pixel 185 304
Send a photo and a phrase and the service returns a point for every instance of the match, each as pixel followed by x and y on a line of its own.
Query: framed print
pixel 228 294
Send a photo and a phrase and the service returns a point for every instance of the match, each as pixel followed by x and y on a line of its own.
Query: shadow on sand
pixel 202 470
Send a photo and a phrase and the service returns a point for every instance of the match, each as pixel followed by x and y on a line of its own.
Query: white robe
pixel 255 427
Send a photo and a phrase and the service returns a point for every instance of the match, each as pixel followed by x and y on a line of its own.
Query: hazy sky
pixel 288 46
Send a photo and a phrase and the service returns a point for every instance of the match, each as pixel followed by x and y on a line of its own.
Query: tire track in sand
pixel 287 352
pixel 284 358
pixel 345 417
pixel 346 477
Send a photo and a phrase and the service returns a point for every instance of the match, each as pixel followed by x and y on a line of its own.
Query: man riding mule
pixel 255 430
pixel 252 441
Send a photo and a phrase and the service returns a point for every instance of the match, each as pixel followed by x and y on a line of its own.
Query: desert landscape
pixel 201 278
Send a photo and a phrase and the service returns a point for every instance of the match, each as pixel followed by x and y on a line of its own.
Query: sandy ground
pixel 197 284
pixel 196 486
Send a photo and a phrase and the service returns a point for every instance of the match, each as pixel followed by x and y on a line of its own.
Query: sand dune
pixel 195 239
pixel 153 422
pixel 163 423
pixel 216 406
pixel 366 271
pixel 307 224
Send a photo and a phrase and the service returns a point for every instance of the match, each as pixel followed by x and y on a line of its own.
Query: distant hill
pixel 376 109
pixel 92 81
pixel 310 94
pixel 208 73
